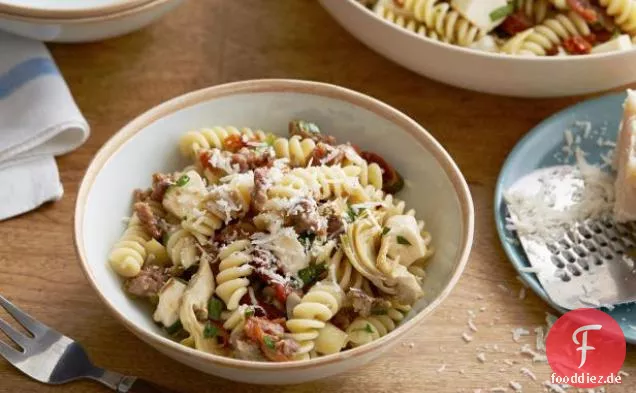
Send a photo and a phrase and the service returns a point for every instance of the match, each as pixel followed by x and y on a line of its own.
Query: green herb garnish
pixel 309 127
pixel 249 312
pixel 311 273
pixel 269 342
pixel 502 12
pixel 174 328
pixel 385 230
pixel 368 328
pixel 182 181
pixel 403 241
pixel 353 213
pixel 214 309
pixel 210 330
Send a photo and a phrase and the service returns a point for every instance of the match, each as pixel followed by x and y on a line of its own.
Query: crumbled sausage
pixel 324 154
pixel 160 184
pixel 304 217
pixel 148 219
pixel 148 282
pixel 235 231
pixel 259 193
pixel 247 159
pixel 363 303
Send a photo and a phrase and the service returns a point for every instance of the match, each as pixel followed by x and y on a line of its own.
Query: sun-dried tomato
pixel 233 143
pixel 516 23
pixel 577 45
pixel 392 181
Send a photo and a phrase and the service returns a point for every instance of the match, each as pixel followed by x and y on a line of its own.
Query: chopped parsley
pixel 403 241
pixel 182 181
pixel 210 330
pixel 174 328
pixel 311 273
pixel 249 312
pixel 308 127
pixel 214 309
pixel 502 12
pixel 269 342
pixel 353 213
pixel 385 230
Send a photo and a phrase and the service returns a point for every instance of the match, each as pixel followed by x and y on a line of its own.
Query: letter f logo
pixel 584 347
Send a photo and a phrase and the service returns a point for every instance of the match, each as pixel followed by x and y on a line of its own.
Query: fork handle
pixel 140 385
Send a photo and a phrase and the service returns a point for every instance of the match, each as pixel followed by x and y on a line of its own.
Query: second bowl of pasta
pixel 300 241
pixel 525 48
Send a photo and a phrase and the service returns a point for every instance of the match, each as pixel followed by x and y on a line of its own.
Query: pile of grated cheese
pixel 538 217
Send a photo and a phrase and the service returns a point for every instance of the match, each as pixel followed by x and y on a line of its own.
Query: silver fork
pixel 52 358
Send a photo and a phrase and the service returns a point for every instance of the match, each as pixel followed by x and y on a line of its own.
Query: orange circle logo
pixel 586 348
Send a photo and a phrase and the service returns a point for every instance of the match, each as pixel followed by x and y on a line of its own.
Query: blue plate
pixel 592 124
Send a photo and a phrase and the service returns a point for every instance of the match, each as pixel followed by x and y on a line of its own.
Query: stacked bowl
pixel 79 21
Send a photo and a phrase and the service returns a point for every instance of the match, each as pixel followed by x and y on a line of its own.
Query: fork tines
pixel 34 327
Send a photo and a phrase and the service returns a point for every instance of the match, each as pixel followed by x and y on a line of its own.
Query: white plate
pixel 87 29
pixel 67 8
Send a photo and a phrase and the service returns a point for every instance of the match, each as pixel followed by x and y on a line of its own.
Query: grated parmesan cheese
pixel 442 368
pixel 525 371
pixel 518 332
pixel 467 338
pixel 481 357
pixel 538 215
pixel 515 386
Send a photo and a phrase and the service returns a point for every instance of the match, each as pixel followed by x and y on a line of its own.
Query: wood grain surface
pixel 208 42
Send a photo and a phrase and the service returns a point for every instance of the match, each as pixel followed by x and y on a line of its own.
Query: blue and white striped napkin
pixel 38 121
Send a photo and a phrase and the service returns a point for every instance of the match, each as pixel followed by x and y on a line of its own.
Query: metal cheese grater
pixel 592 263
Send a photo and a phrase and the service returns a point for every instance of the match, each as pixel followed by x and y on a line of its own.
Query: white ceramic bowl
pixel 436 189
pixel 481 71
pixel 87 29
pixel 67 8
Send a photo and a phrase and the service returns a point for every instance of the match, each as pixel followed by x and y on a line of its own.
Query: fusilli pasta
pixel 515 27
pixel 274 249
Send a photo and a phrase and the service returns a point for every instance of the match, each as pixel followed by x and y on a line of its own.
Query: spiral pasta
pixel 288 252
pixel 322 183
pixel 624 13
pixel 206 138
pixel 319 305
pixel 445 21
pixel 405 21
pixel 232 281
pixel 181 247
pixel 540 39
pixel 364 330
pixel 519 28
pixel 296 149
pixel 535 10
pixel 129 253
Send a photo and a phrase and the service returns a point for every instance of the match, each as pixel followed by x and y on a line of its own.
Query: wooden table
pixel 208 42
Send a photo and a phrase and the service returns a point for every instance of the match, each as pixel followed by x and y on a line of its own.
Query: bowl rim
pixel 479 53
pixel 88 19
pixel 92 11
pixel 425 139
